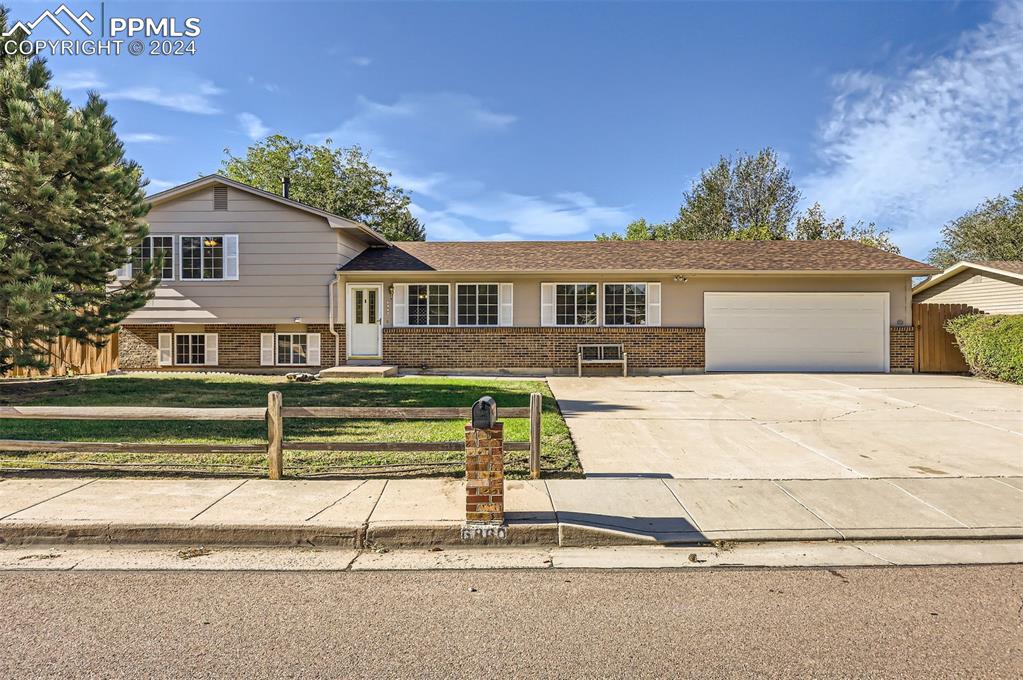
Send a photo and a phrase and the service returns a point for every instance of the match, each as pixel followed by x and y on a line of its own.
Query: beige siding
pixel 286 258
pixel 681 303
pixel 988 292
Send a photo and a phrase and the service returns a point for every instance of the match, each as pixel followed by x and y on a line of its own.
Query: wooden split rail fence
pixel 274 414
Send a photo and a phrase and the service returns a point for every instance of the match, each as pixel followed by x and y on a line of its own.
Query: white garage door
pixel 796 331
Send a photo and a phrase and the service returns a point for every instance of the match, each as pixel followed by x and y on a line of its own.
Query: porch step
pixel 359 372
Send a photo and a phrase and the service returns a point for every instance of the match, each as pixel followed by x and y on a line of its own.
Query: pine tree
pixel 71 207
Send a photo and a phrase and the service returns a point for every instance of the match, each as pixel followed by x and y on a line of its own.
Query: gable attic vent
pixel 220 198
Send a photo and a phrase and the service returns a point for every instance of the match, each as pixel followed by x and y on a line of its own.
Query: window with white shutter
pixel 400 304
pixel 625 304
pixel 212 346
pixel 209 257
pixel 166 349
pixel 314 349
pixel 653 304
pixel 231 257
pixel 266 349
pixel 507 304
pixel 546 304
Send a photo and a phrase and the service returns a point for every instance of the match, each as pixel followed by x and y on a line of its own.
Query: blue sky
pixel 543 120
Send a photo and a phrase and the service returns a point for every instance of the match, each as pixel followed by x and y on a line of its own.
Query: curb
pixel 430 534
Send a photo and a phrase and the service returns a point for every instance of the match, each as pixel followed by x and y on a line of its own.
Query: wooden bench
pixel 602 355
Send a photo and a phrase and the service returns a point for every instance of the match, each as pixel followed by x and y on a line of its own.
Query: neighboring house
pixel 992 286
pixel 257 281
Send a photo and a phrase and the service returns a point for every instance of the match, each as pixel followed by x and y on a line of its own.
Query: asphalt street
pixel 907 622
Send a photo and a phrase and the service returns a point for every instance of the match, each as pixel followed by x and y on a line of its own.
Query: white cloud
pixel 188 99
pixel 442 226
pixel 361 61
pixel 918 148
pixel 78 80
pixel 563 214
pixel 158 185
pixel 143 137
pixel 437 116
pixel 469 211
pixel 268 86
pixel 252 126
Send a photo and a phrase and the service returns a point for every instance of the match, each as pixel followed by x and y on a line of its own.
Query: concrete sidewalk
pixel 428 512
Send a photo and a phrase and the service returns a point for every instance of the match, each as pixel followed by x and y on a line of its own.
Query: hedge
pixel 991 343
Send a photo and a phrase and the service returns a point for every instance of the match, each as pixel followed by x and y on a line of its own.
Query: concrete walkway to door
pixel 794 426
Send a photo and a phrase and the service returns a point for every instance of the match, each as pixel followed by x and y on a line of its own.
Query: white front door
pixel 364 318
pixel 796 331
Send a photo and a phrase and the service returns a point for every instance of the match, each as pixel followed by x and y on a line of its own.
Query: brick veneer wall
pixel 484 474
pixel 237 346
pixel 552 348
pixel 902 348
pixel 479 348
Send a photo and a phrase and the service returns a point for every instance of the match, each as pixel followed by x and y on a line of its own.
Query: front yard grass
pixel 558 457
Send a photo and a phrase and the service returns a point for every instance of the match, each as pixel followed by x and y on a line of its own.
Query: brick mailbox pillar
pixel 484 475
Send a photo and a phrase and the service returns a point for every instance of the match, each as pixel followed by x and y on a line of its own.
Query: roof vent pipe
pixel 286 182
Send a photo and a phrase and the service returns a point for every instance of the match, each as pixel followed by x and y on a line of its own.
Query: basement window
pixel 190 349
pixel 292 349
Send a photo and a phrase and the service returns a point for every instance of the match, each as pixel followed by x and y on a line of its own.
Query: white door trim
pixel 350 305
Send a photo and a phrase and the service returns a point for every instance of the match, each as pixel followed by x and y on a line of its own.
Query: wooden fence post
pixel 535 402
pixel 274 435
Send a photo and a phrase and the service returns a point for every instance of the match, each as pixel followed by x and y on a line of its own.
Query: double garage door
pixel 796 331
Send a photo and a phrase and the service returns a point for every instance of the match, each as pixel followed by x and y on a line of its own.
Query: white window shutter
pixel 653 304
pixel 313 346
pixel 124 272
pixel 400 304
pixel 231 257
pixel 266 349
pixel 506 304
pixel 547 304
pixel 166 344
pixel 212 358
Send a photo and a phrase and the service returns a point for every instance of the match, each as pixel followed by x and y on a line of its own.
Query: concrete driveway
pixel 794 426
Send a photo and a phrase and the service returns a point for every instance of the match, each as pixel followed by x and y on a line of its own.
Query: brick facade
pixel 546 348
pixel 902 348
pixel 484 474
pixel 668 348
pixel 238 346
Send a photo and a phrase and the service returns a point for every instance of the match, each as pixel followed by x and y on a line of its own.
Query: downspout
pixel 331 288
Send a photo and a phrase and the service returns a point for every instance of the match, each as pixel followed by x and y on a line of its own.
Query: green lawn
pixel 557 450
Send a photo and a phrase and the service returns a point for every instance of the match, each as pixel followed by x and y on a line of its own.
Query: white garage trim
pixel 797 331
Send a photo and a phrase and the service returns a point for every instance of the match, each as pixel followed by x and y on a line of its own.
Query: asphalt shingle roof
pixel 567 256
pixel 1014 266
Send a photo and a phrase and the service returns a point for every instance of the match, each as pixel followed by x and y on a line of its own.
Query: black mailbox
pixel 484 413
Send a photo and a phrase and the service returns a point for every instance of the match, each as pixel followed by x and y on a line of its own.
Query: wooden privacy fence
pixel 936 350
pixel 71 357
pixel 274 414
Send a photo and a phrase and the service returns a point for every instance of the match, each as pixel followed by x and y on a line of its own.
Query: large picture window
pixel 153 247
pixel 575 304
pixel 477 304
pixel 429 305
pixel 625 304
pixel 190 349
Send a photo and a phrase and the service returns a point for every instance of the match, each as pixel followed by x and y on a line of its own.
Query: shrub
pixel 991 343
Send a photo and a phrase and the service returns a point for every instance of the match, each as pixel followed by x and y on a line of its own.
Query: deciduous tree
pixel 991 231
pixel 339 180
